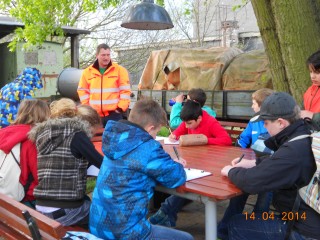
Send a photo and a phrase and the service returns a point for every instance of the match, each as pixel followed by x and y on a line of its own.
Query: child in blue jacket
pixel 254 129
pixel 134 163
pixel 23 87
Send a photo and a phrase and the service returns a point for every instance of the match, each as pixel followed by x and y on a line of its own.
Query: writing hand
pixel 236 161
pixel 181 161
pixel 225 170
pixel 245 163
pixel 172 137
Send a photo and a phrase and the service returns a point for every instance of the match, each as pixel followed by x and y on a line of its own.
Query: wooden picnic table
pixel 210 189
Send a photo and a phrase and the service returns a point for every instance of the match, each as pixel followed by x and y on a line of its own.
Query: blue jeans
pixel 164 233
pixel 236 206
pixel 242 227
pixel 172 205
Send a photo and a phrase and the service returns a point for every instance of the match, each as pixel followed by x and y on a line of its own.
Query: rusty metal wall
pixel 48 59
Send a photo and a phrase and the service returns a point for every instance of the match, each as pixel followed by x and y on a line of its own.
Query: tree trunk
pixel 291 33
pixel 267 26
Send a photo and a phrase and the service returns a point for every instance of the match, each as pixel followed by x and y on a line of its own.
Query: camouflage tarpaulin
pixel 183 69
pixel 248 71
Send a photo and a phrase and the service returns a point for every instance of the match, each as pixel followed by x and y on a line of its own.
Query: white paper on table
pixel 167 141
pixel 159 138
pixel 93 171
pixel 193 173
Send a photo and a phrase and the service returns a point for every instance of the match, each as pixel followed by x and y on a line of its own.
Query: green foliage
pixel 164 132
pixel 43 18
pixel 238 6
pixel 160 2
pixel 188 8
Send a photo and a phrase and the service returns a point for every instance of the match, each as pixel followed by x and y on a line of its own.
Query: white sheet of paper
pixel 159 138
pixel 193 173
pixel 167 141
pixel 93 171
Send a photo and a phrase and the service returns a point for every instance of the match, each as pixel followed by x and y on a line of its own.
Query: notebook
pixel 167 141
pixel 193 173
pixel 159 138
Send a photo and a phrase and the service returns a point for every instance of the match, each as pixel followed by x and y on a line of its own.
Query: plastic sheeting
pixel 183 69
pixel 248 71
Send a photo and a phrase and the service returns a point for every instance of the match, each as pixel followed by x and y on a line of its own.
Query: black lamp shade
pixel 147 16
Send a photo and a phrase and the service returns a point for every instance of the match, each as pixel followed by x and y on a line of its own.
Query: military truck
pixel 229 76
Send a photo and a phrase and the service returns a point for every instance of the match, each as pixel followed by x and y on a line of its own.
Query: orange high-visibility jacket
pixel 107 92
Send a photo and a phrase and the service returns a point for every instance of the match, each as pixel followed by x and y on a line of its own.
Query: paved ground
pixel 192 217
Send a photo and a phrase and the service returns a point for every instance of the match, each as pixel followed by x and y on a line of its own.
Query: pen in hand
pixel 170 131
pixel 179 160
pixel 176 152
pixel 169 127
pixel 241 158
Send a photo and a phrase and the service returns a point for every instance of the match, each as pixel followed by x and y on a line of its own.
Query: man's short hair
pixel 279 105
pixel 198 95
pixel 191 111
pixel 148 112
pixel 102 45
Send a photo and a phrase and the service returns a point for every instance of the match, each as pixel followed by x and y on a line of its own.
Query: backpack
pixel 10 174
pixel 259 147
pixel 311 192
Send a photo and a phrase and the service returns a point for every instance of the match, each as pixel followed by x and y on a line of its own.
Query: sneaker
pixel 160 218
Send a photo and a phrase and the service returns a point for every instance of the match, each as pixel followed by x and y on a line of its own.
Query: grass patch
pixel 91 183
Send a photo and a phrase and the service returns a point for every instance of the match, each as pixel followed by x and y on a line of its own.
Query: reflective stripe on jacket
pixel 106 92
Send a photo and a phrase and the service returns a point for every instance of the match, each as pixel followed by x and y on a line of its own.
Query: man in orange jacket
pixel 105 86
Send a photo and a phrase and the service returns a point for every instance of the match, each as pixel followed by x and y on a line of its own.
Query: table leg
pixel 211 220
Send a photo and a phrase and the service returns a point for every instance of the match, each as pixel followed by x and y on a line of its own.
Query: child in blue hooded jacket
pixel 134 163
pixel 14 92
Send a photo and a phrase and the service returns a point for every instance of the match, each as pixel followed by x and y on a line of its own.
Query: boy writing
pixel 290 167
pixel 196 121
pixel 133 165
pixel 196 94
pixel 248 138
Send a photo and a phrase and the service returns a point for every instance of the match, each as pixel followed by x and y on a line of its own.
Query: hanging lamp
pixel 147 16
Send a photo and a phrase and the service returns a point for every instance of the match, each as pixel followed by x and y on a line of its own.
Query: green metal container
pixel 48 59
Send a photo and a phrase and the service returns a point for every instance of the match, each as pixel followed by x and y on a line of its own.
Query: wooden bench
pixel 14 226
pixel 234 129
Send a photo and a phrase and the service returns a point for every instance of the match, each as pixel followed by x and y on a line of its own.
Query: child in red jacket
pixel 30 112
pixel 196 121
pixel 312 96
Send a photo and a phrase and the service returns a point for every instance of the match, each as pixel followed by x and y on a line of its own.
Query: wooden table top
pixel 210 158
